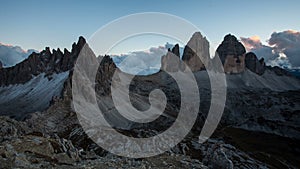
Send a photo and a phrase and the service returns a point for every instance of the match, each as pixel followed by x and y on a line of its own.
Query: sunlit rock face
pixel 234 64
pixel 196 52
pixel 232 54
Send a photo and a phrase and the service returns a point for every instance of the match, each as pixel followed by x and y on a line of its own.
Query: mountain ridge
pixel 57 67
pixel 58 61
pixel 258 105
pixel 43 62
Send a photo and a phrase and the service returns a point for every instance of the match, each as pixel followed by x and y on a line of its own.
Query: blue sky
pixel 36 24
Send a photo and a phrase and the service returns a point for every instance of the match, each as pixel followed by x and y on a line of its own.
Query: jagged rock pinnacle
pixel 43 62
pixel 196 52
pixel 232 54
pixel 255 65
pixel 175 50
pixel 169 62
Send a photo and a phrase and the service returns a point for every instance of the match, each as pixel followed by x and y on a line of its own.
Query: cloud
pixel 141 62
pixel 254 44
pixel 11 55
pixel 281 61
pixel 283 48
pixel 287 42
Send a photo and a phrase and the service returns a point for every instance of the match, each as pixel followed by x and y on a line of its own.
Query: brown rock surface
pixel 171 61
pixel 232 54
pixel 255 65
pixel 197 47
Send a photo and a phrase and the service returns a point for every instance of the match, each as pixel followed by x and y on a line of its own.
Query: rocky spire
pixel 175 50
pixel 255 65
pixel 197 47
pixel 171 61
pixel 81 42
pixel 230 46
pixel 1 65
pixel 232 54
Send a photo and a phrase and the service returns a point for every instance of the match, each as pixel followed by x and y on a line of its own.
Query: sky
pixel 37 24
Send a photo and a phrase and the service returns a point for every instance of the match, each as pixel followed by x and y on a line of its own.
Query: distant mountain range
pixel 144 63
pixel 259 128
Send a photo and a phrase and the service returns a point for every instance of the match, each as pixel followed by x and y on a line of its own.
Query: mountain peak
pixel 175 50
pixel 253 64
pixel 230 46
pixel 196 52
pixel 81 41
pixel 232 54
pixel 197 35
pixel 230 37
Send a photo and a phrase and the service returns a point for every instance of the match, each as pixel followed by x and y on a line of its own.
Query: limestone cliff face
pixel 175 50
pixel 232 54
pixel 255 65
pixel 171 61
pixel 104 75
pixel 197 47
pixel 234 64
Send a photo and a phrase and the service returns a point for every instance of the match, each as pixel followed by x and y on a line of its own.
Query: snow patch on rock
pixel 36 94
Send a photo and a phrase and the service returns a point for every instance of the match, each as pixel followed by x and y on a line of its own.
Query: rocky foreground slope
pixel 260 126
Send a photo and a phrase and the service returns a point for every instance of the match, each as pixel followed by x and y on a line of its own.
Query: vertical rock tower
pixel 171 61
pixel 232 54
pixel 255 65
pixel 198 46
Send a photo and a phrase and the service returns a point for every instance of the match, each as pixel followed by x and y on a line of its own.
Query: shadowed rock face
pixel 198 46
pixel 104 76
pixel 171 61
pixel 255 65
pixel 279 71
pixel 232 54
pixel 33 84
pixel 175 50
pixel 1 66
pixel 195 53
